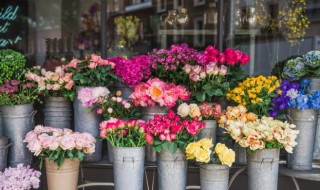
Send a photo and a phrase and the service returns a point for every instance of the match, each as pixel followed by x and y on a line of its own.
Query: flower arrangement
pixel 59 144
pixel 127 29
pixel 306 66
pixel 156 91
pixel 170 132
pixel 123 133
pixel 255 93
pixel 19 178
pixel 12 64
pixel 56 84
pixel 249 131
pixel 204 111
pixel 92 72
pixel 90 96
pixel 200 151
pixel 133 71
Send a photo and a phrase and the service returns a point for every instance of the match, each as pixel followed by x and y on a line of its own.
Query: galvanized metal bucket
pixel 126 91
pixel 210 131
pixel 1 127
pixel 149 112
pixel 214 176
pixel 4 147
pixel 17 122
pixel 314 86
pixel 306 122
pixel 241 154
pixel 128 168
pixel 172 170
pixel 88 121
pixel 110 152
pixel 58 112
pixel 263 168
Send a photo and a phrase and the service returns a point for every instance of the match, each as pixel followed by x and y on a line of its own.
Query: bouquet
pixel 123 133
pixel 156 91
pixel 204 111
pixel 170 132
pixel 12 65
pixel 56 84
pixel 200 151
pixel 19 178
pixel 127 29
pixel 132 71
pixel 306 66
pixel 59 144
pixel 92 72
pixel 255 133
pixel 255 93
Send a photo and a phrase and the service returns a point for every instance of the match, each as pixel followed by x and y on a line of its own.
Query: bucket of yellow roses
pixel 215 165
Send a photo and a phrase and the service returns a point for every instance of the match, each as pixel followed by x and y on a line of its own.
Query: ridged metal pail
pixel 57 112
pixel 4 147
pixel 149 112
pixel 306 122
pixel 88 121
pixel 17 122
pixel 314 86
pixel 214 176
pixel 210 131
pixel 241 154
pixel 172 170
pixel 128 168
pixel 263 168
pixel 110 152
pixel 1 127
pixel 126 91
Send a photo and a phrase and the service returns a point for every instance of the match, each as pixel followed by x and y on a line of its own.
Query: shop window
pixel 199 2
pixel 178 4
pixel 161 5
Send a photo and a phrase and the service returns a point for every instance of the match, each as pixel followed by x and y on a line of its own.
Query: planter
pixel 126 91
pixel 306 122
pixel 4 147
pixel 172 170
pixel 63 177
pixel 241 154
pixel 88 121
pixel 210 131
pixel 17 121
pixel 128 168
pixel 57 112
pixel 214 176
pixel 314 86
pixel 110 152
pixel 149 112
pixel 1 127
pixel 263 167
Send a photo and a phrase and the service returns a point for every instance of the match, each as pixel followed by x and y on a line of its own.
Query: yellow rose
pixel 227 157
pixel 194 110
pixel 206 143
pixel 191 149
pixel 202 155
pixel 220 148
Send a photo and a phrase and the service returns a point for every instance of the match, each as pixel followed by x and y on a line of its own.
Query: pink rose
pixel 194 77
pixel 68 142
pixel 203 74
pixel 182 93
pixel 245 59
pixel 67 77
pixel 162 137
pixel 231 59
pixel 48 86
pixel 149 138
pixel 73 64
pixel 69 85
pixel 127 105
pixel 223 70
pixel 99 111
pixel 238 54
pixel 95 58
pixel 35 147
pixel 173 137
pixel 222 58
pixel 187 68
pixel 30 136
pixel 192 129
pixel 196 69
pixel 92 65
pixel 103 133
pixel 56 87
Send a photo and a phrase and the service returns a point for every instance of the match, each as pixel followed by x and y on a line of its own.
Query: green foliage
pixel 134 137
pixel 11 65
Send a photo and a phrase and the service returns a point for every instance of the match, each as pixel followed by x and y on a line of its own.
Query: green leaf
pixel 80 155
pixel 173 148
pixel 166 145
pixel 215 92
pixel 82 64
pixel 157 142
pixel 225 85
pixel 70 155
pixel 201 96
pixel 207 87
pixel 157 148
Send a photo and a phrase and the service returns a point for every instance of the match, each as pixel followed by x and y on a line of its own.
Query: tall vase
pixel 57 112
pixel 314 86
pixel 263 168
pixel 126 91
pixel 306 122
pixel 17 122
pixel 172 170
pixel 63 177
pixel 87 121
pixel 4 147
pixel 241 154
pixel 214 176
pixel 149 112
pixel 129 166
pixel 210 131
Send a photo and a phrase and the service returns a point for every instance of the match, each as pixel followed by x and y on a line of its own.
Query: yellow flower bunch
pixel 201 152
pixel 255 93
pixel 127 29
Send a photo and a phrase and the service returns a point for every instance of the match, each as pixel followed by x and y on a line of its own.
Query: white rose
pixel 183 110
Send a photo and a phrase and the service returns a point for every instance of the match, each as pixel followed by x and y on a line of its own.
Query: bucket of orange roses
pixel 128 147
pixel 62 150
pixel 169 135
pixel 157 97
pixel 214 165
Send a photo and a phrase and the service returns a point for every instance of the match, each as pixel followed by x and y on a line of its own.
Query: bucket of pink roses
pixel 214 165
pixel 62 150
pixel 169 135
pixel 157 97
pixel 128 146
pixel 94 72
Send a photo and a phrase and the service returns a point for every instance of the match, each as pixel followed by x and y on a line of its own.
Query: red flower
pixel 149 138
pixel 245 59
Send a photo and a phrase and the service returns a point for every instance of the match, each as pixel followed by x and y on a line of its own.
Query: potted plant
pixel 20 177
pixel 169 135
pixel 215 165
pixel 62 150
pixel 128 147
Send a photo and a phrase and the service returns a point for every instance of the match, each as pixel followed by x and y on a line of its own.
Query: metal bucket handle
pixel 5 147
pixel 267 160
pixel 31 116
pixel 129 159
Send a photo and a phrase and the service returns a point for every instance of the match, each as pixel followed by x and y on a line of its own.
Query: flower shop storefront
pixel 159 94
